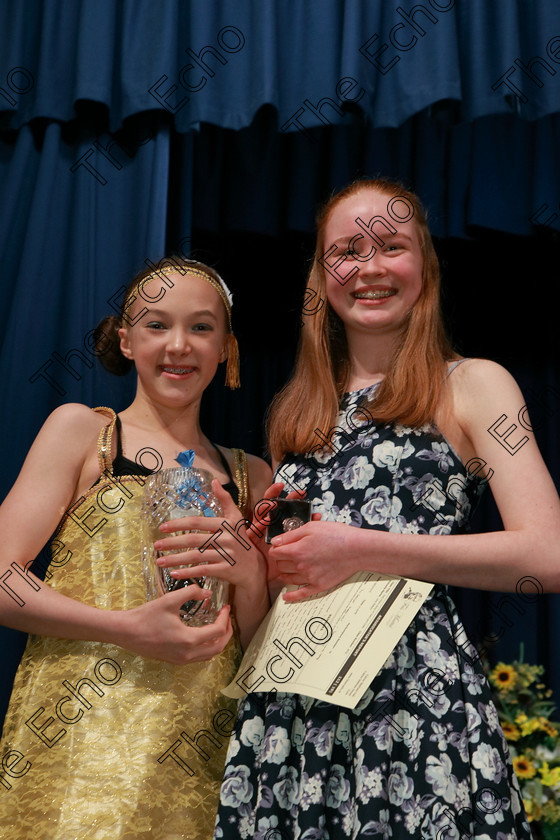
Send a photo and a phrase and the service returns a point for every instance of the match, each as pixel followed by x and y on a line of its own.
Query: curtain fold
pixel 219 62
pixel 494 173
pixel 68 244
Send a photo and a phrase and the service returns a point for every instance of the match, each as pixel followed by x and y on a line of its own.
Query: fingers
pixel 224 618
pixel 286 567
pixel 230 509
pixel 216 635
pixel 301 594
pixel 194 572
pixel 182 543
pixel 294 579
pixel 211 632
pixel 291 536
pixel 262 513
pixel 191 523
pixel 181 558
pixel 209 649
pixel 191 592
pixel 272 491
pixel 265 505
pixel 296 494
pixel 277 488
pixel 158 630
pixel 264 508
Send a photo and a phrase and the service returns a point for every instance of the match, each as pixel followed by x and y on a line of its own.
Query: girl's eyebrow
pixel 400 233
pixel 204 312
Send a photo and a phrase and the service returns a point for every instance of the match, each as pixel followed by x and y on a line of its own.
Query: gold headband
pixel 232 348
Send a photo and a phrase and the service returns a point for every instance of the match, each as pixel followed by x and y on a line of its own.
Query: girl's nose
pixel 178 341
pixel 373 265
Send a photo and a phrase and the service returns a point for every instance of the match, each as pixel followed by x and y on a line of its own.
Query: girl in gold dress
pixel 116 727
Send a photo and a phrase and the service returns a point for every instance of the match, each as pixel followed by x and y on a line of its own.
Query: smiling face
pixel 378 280
pixel 177 344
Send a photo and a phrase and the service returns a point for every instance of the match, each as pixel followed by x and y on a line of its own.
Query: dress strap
pixel 104 440
pixel 225 464
pixel 455 364
pixel 118 430
pixel 242 480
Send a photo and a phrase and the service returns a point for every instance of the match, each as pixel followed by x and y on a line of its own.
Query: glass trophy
pixel 172 494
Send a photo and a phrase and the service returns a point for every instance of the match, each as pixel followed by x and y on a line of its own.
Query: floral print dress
pixel 422 755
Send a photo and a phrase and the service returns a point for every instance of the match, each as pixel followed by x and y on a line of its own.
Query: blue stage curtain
pixel 130 129
pixel 219 62
pixel 68 243
pixel 499 172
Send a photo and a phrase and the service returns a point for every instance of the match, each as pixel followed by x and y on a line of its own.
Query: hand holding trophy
pixel 173 494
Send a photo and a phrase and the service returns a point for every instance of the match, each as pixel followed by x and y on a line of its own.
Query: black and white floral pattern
pixel 422 755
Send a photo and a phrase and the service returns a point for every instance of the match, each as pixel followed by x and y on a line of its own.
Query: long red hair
pixel 412 388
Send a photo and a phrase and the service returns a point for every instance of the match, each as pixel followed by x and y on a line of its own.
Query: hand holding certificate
pixel 330 646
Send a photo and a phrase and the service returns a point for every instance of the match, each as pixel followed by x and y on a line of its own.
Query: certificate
pixel 332 645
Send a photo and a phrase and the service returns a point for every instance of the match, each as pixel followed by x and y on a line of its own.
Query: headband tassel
pixel 232 367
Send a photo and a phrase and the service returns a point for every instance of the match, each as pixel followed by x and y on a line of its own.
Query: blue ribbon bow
pixel 190 492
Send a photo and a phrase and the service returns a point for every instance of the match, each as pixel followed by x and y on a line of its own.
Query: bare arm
pixel 62 453
pixel 522 487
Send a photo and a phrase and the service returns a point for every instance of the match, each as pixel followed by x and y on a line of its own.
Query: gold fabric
pixel 241 471
pixel 100 743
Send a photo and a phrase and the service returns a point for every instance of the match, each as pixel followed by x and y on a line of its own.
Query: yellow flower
pixel 503 676
pixel 549 777
pixel 511 731
pixel 549 727
pixel 528 803
pixel 529 726
pixel 524 769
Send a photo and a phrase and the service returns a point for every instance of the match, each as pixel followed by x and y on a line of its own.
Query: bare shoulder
pixel 53 466
pixel 492 412
pixel 480 385
pixel 259 471
pixel 77 416
pixel 71 425
pixel 260 477
pixel 481 374
pixel 67 435
pixel 489 407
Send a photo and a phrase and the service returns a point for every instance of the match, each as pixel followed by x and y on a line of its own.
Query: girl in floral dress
pixel 412 434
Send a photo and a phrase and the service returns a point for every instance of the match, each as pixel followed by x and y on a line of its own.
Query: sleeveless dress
pixel 422 755
pixel 98 742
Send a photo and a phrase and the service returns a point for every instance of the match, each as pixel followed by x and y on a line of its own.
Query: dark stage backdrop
pixel 132 129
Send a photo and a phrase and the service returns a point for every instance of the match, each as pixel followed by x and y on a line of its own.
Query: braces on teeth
pixel 374 295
